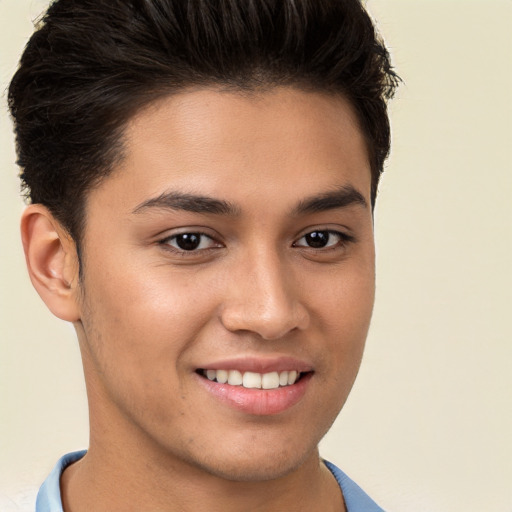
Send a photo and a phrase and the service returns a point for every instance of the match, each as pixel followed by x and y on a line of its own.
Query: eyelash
pixel 344 240
pixel 166 243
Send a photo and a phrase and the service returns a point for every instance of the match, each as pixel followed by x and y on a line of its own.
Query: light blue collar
pixel 49 500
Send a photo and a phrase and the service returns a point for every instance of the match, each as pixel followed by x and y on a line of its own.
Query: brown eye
pixel 317 239
pixel 189 242
pixel 320 239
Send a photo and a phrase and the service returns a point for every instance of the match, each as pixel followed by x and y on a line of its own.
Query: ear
pixel 52 261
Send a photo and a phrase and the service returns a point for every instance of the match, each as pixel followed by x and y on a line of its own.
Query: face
pixel 229 280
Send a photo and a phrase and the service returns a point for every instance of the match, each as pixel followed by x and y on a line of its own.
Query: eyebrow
pixel 341 198
pixel 190 203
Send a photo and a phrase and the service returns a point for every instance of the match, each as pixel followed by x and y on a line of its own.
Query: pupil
pixel 317 239
pixel 188 241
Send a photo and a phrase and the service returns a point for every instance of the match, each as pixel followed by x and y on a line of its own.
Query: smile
pixel 253 380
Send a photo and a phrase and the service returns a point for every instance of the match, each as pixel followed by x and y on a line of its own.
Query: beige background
pixel 428 426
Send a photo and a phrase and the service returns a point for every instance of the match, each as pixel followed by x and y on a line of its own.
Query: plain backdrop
pixel 428 426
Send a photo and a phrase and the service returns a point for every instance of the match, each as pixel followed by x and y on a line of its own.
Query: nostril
pixel 264 303
pixel 268 326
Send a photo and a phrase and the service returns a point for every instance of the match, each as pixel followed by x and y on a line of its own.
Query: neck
pixel 110 479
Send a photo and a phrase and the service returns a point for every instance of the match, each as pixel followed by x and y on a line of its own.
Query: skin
pixel 148 316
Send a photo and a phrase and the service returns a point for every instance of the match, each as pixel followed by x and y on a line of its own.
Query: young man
pixel 201 177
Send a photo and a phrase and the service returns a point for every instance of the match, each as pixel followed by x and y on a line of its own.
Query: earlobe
pixel 52 261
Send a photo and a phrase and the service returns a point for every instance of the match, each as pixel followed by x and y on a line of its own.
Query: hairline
pixel 154 96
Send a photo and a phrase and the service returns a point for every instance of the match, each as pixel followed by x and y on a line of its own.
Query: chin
pixel 252 471
pixel 254 466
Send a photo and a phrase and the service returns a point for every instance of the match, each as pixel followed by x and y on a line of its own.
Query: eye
pixel 190 242
pixel 321 239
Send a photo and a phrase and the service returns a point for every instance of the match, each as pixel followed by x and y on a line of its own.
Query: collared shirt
pixel 48 498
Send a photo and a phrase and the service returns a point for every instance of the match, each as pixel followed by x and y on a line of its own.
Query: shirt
pixel 48 498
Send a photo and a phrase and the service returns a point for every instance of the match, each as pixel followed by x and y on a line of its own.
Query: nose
pixel 263 297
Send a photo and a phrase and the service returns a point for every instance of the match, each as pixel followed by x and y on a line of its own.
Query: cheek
pixel 135 343
pixel 344 311
pixel 345 301
pixel 139 323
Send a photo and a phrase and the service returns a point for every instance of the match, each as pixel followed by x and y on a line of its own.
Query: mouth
pixel 257 394
pixel 253 380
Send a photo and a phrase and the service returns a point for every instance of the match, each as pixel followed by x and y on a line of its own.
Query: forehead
pixel 245 145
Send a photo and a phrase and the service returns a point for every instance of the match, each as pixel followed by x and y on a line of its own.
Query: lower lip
pixel 258 401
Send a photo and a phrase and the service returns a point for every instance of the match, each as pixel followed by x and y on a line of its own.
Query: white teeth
pixel 222 376
pixel 292 377
pixel 253 380
pixel 234 378
pixel 270 380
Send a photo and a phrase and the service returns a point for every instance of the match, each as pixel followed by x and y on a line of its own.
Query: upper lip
pixel 260 364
